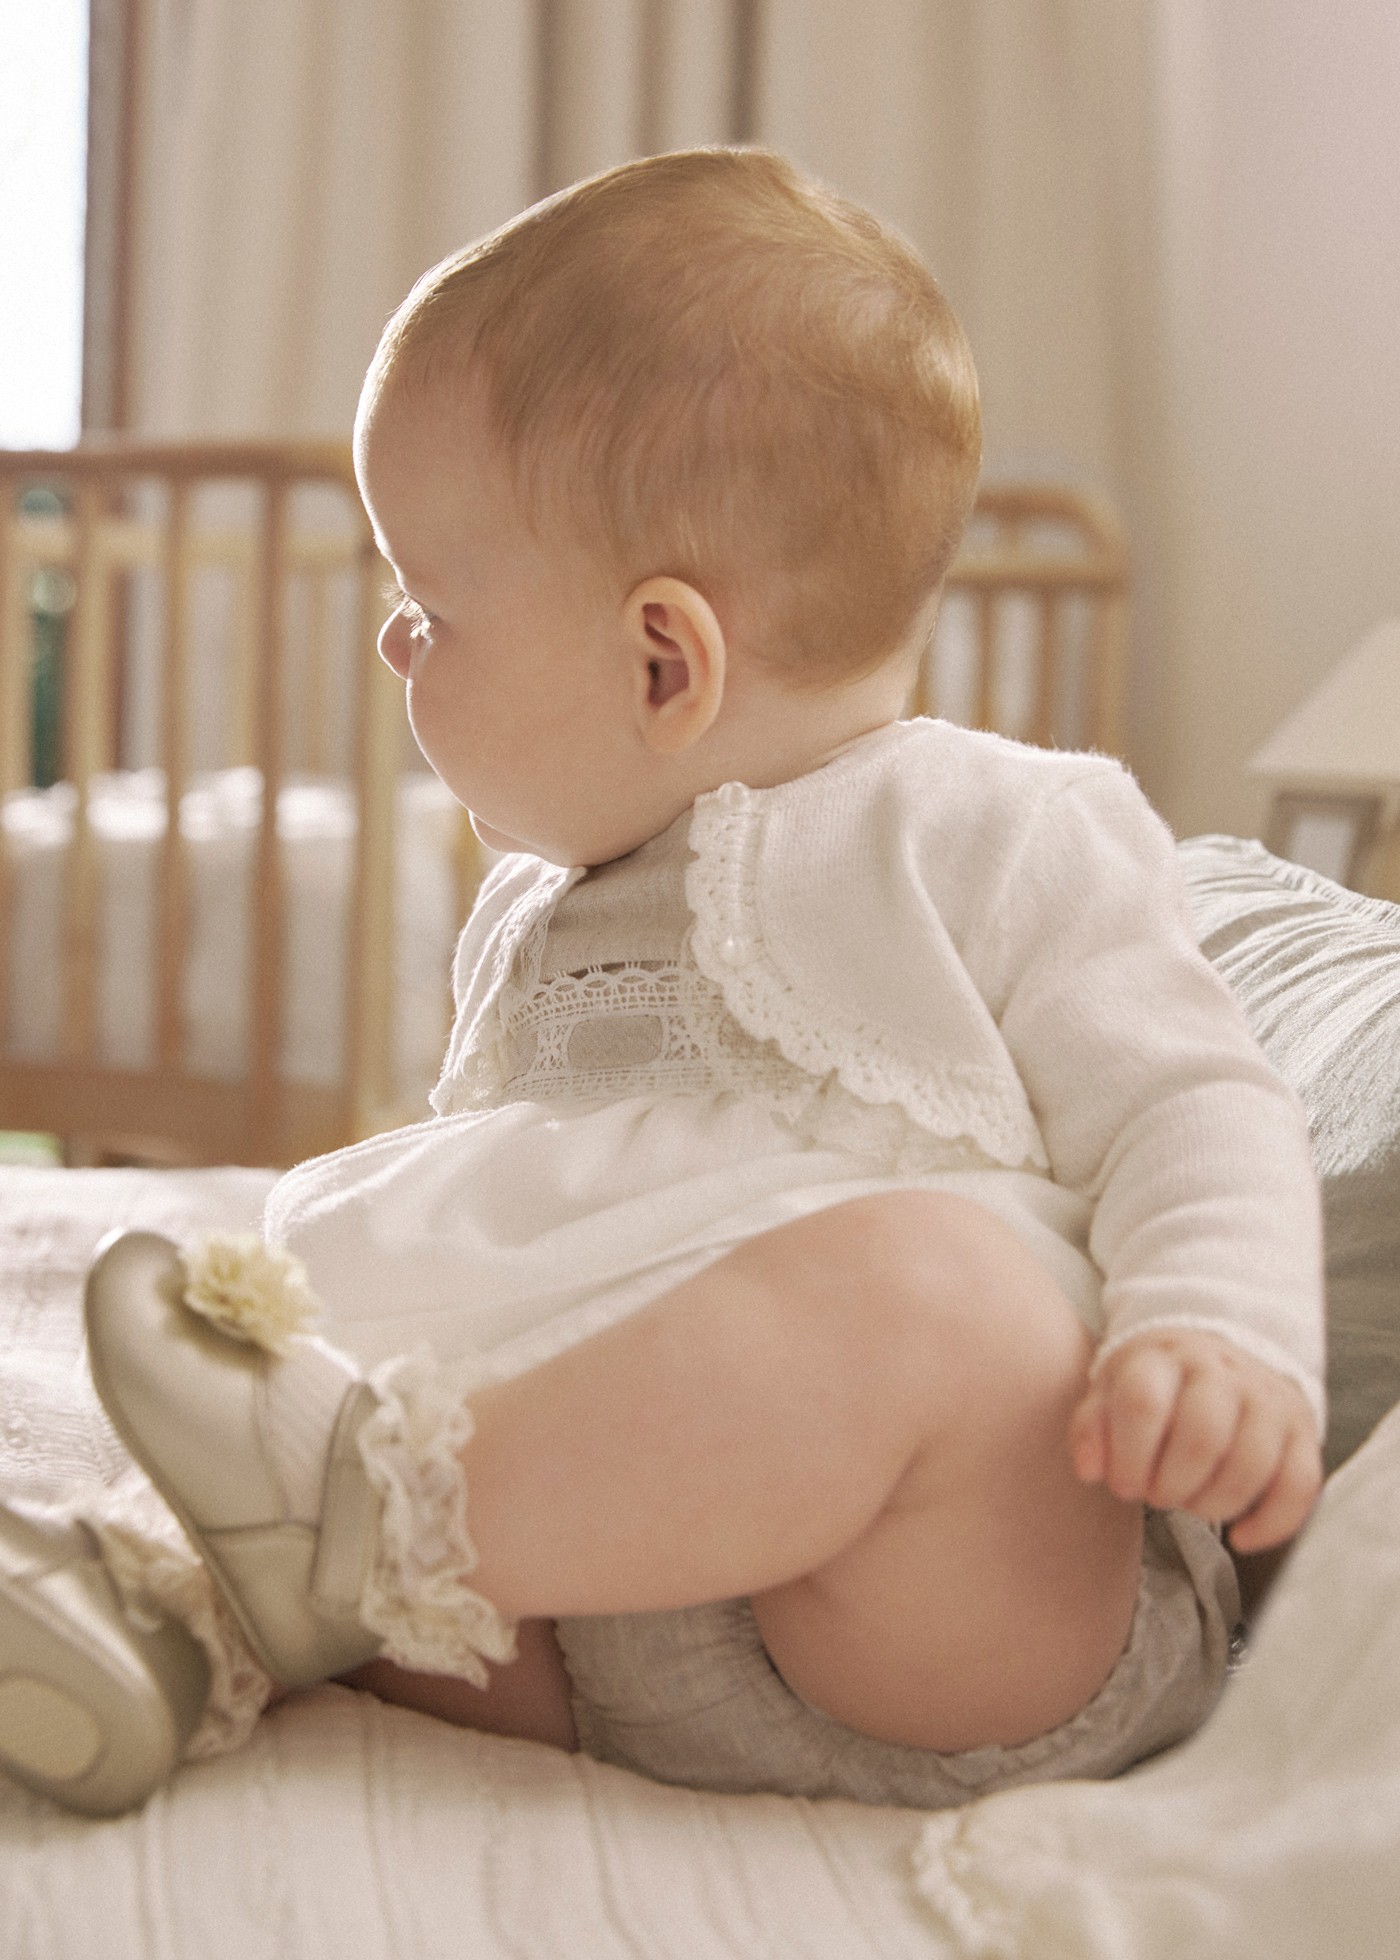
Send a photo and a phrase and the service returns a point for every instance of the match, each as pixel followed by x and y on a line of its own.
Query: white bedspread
pixel 362 1832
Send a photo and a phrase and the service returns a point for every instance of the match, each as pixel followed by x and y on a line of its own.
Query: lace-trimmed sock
pixel 301 1399
pixel 417 1595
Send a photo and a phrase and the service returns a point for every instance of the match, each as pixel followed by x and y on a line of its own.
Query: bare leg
pixel 860 1420
pixel 529 1698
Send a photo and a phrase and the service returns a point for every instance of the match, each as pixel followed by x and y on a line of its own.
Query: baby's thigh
pixel 990 1597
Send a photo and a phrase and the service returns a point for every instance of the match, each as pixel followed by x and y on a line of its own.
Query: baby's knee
pixel 884 1263
pixel 937 1276
pixel 913 1244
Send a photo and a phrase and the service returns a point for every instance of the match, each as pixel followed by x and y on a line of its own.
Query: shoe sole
pixel 93 1713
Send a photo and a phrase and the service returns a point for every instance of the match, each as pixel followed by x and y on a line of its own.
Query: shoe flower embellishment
pixel 249 1290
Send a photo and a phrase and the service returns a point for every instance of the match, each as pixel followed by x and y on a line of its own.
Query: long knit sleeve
pixel 994 940
pixel 1149 1090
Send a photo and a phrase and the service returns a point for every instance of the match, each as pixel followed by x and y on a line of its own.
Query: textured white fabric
pixel 510 1234
pixel 992 939
pixel 607 1001
pixel 1273 1834
pixel 57 1446
pixel 301 1397
pixel 346 1827
pixel 417 1593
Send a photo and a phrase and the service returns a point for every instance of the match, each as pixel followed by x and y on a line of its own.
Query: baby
pixel 860 1257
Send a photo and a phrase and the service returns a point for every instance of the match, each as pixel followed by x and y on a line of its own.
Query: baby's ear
pixel 677 649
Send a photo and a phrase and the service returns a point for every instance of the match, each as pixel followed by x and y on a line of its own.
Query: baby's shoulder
pixel 1000 765
pixel 939 778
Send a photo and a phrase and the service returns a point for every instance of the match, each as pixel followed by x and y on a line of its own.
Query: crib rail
pixel 144 538
pixel 1032 636
pixel 108 513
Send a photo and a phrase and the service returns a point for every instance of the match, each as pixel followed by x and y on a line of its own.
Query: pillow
pixel 1317 970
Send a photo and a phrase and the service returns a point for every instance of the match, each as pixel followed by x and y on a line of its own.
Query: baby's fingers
pixel 1244 1472
pixel 1286 1502
pixel 1201 1441
pixel 1088 1435
pixel 1141 1400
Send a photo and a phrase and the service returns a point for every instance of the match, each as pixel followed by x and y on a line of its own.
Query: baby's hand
pixel 1184 1420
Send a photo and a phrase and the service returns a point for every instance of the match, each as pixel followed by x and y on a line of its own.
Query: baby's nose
pixel 394 644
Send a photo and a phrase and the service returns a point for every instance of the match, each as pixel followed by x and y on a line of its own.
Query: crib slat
pixel 87 742
pixel 265 1030
pixel 173 895
pixel 1107 676
pixel 468 866
pixel 243 650
pixel 922 698
pixel 315 657
pixel 1047 682
pixel 986 714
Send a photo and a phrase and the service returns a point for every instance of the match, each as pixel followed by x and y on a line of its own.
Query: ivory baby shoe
pixel 189 1401
pixel 95 1710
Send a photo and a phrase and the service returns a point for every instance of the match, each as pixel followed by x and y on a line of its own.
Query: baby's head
pixel 671 468
pixel 707 366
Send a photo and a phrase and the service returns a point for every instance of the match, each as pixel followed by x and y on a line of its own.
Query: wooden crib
pixel 204 616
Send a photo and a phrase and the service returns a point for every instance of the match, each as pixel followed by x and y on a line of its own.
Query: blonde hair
pixel 715 369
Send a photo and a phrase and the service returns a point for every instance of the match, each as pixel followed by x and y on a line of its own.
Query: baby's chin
pixel 493 839
pixel 569 855
pixel 502 841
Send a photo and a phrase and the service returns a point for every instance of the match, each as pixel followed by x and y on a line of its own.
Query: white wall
pixel 1282 146
pixel 1171 226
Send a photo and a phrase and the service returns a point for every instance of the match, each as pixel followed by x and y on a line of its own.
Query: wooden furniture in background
pixel 127 509
pixel 1333 764
pixel 1040 586
pixel 1030 641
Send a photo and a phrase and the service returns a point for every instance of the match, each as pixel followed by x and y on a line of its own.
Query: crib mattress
pixel 219 819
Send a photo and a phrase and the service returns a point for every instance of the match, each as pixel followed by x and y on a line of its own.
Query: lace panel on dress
pixel 629 1030
pixel 612 1027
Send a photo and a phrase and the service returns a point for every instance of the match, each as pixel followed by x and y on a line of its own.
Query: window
pixel 43 163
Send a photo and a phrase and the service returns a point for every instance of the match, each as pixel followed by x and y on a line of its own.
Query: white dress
pixel 633 1133
pixel 637 1133
pixel 937 956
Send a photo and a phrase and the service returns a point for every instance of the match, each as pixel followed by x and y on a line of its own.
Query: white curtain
pixel 302 161
pixel 1149 213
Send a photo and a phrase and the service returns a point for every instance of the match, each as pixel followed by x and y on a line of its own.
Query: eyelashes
pixel 420 621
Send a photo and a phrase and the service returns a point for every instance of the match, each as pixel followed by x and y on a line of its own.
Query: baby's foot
pixel 255 1453
pixel 95 1710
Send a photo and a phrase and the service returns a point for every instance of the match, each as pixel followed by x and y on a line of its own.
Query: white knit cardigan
pixel 995 938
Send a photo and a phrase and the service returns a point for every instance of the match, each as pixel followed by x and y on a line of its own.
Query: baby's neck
pixel 768 733
pixel 771 732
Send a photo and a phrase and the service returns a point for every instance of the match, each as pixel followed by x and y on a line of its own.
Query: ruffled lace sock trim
pixel 159 1576
pixel 418 1597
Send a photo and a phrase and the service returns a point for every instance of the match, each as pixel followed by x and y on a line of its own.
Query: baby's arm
pixel 1156 1103
pixel 1183 1419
